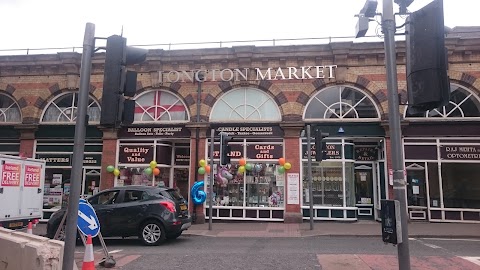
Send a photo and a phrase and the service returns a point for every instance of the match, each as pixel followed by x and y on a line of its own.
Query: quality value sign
pixel 32 176
pixel 11 174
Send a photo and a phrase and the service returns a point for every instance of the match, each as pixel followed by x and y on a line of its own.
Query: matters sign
pixel 460 152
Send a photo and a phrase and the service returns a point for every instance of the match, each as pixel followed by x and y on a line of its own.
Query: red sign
pixel 11 174
pixel 264 151
pixel 32 176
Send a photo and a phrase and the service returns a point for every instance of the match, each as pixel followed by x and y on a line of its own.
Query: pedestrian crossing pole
pixel 309 165
pixel 399 184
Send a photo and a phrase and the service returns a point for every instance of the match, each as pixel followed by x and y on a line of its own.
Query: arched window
pixel 340 102
pixel 160 106
pixel 462 104
pixel 63 109
pixel 244 104
pixel 9 110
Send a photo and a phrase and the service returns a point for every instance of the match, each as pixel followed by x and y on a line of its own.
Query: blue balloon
pixel 198 195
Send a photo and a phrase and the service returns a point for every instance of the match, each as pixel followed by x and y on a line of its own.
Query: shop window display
pixel 262 186
pixel 136 176
pixel 327 185
pixel 460 185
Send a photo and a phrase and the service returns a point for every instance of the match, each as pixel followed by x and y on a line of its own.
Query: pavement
pixel 330 228
pixel 320 228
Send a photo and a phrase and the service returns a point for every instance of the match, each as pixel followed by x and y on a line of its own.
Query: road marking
pixel 475 260
pixel 430 245
pixel 115 251
pixel 453 239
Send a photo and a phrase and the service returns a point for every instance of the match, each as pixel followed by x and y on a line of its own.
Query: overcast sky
pixel 61 23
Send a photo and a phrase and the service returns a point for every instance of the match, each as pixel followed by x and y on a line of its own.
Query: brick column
pixel 291 144
pixel 203 128
pixel 27 139
pixel 109 153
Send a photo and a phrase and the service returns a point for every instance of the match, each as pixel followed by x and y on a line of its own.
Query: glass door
pixel 91 182
pixel 364 187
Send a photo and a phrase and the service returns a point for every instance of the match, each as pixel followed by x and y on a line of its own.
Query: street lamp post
pixel 199 77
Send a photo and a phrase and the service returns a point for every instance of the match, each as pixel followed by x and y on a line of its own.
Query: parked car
pixel 154 214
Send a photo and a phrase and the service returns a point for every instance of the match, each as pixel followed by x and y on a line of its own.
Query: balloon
pixel 148 171
pixel 281 169
pixel 116 172
pixel 201 170
pixel 110 168
pixel 153 164
pixel 198 195
pixel 241 169
pixel 248 166
pixel 287 165
pixel 202 163
pixel 258 167
pixel 207 169
pixel 156 171
pixel 281 161
pixel 227 175
pixel 242 162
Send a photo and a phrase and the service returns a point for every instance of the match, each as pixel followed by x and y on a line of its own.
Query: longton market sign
pixel 248 74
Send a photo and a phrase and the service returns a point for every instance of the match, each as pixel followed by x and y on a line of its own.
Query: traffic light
pixel 225 148
pixel 119 83
pixel 428 84
pixel 320 145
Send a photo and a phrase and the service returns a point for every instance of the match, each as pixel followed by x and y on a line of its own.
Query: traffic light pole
pixel 399 184
pixel 78 148
pixel 210 181
pixel 310 181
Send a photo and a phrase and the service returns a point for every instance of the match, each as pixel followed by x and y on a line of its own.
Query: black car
pixel 151 213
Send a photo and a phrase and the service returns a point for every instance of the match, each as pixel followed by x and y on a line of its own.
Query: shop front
pixel 168 146
pixel 258 193
pixel 442 174
pixel 58 154
pixel 350 182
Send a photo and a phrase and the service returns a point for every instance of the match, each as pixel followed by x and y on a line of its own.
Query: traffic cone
pixel 29 228
pixel 88 260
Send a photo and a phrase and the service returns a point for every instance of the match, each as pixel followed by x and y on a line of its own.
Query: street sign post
pixel 87 221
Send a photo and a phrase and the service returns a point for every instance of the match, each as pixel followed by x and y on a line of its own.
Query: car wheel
pixel 152 233
pixel 174 236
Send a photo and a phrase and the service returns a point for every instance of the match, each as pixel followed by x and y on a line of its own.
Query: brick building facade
pixel 263 97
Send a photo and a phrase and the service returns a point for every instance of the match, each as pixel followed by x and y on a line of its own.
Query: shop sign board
pixel 159 132
pixel 235 153
pixel 249 74
pixel 65 160
pixel 460 152
pixel 334 151
pixel 366 153
pixel 256 131
pixel 182 156
pixel 135 154
pixel 264 151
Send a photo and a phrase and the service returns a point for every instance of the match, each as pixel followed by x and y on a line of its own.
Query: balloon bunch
pixel 112 169
pixel 204 168
pixel 152 169
pixel 284 166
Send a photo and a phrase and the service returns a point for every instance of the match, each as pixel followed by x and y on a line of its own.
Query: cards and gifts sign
pixel 11 174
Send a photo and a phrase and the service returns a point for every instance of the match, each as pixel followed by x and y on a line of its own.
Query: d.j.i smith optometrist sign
pixel 249 74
